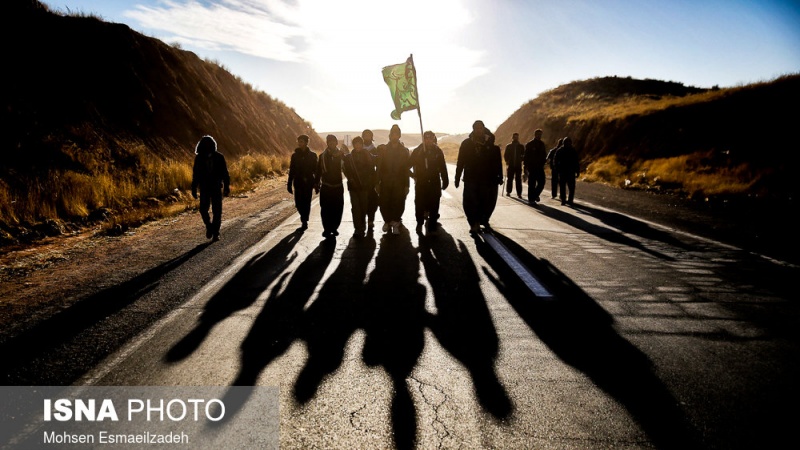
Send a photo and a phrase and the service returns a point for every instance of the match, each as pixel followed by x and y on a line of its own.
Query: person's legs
pixel 205 203
pixel 571 187
pixel 470 203
pixel 302 201
pixel 337 208
pixel 487 198
pixel 358 203
pixel 554 183
pixel 216 214
pixel 539 183
pixel 518 180
pixel 372 196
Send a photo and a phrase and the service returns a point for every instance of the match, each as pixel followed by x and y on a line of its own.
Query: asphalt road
pixel 564 327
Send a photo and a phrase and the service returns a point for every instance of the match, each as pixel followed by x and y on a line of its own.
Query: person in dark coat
pixel 393 180
pixel 568 167
pixel 372 207
pixel 481 163
pixel 430 179
pixel 359 167
pixel 330 186
pixel 514 155
pixel 210 175
pixel 302 176
pixel 535 155
pixel 551 161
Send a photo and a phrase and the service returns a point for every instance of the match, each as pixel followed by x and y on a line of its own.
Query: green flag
pixel 402 81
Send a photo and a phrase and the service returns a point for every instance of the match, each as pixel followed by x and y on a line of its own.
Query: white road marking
pixel 536 287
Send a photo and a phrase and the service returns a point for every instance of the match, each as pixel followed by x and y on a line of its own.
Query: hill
pixel 666 136
pixel 98 117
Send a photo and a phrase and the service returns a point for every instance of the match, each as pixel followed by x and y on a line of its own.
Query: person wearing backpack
pixel 210 175
pixel 568 166
pixel 330 186
pixel 551 160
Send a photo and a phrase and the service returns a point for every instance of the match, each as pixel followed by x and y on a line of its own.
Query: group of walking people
pixel 527 163
pixel 378 178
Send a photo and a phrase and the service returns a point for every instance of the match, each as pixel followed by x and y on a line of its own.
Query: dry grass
pixel 696 175
pixel 450 150
pixel 119 199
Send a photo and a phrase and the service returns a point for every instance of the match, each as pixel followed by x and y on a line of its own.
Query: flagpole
pixel 419 109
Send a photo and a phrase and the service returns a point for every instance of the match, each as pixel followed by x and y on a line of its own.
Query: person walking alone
pixel 330 187
pixel 430 179
pixel 535 155
pixel 568 166
pixel 514 155
pixel 302 176
pixel 210 175
pixel 480 162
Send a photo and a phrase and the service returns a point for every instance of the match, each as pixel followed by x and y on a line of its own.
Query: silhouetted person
pixel 393 182
pixel 359 167
pixel 482 166
pixel 372 206
pixel 330 186
pixel 551 161
pixel 568 167
pixel 535 155
pixel 430 179
pixel 210 174
pixel 514 154
pixel 302 176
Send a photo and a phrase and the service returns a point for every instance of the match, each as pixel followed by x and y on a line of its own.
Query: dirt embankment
pixel 42 279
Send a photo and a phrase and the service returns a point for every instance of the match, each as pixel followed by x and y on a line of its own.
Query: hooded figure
pixel 210 175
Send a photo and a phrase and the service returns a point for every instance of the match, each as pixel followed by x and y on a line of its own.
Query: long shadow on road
pixel 239 293
pixel 55 342
pixel 463 324
pixel 394 319
pixel 278 324
pixel 619 224
pixel 581 334
pixel 333 317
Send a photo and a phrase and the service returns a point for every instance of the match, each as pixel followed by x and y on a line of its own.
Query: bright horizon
pixel 475 59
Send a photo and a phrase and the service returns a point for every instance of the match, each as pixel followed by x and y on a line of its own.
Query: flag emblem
pixel 402 82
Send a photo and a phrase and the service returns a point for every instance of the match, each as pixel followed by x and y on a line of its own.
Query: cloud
pixel 346 41
pixel 246 26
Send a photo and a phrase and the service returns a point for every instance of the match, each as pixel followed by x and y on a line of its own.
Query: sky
pixel 475 59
